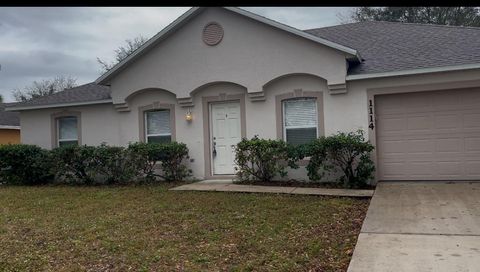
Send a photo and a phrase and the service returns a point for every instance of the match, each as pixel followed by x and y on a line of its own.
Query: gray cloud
pixel 41 43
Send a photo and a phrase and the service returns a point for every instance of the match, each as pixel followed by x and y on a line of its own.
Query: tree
pixel 455 16
pixel 123 51
pixel 1 98
pixel 44 87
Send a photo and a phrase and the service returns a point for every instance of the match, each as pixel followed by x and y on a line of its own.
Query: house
pixel 215 75
pixel 9 126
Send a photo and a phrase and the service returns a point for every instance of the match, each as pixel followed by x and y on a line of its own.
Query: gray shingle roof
pixel 389 46
pixel 384 46
pixel 83 93
pixel 8 118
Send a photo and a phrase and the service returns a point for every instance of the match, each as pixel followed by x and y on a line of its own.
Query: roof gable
pixel 184 18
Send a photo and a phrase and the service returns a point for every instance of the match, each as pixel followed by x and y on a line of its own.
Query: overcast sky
pixel 41 43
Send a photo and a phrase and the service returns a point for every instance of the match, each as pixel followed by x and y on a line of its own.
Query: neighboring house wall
pixel 9 136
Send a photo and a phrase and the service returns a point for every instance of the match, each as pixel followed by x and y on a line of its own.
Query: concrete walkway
pixel 222 186
pixel 420 226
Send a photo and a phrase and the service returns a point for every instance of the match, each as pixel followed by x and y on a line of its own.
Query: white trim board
pixel 415 71
pixel 10 127
pixel 195 10
pixel 35 107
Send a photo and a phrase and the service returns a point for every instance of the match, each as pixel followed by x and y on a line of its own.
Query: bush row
pixel 93 165
pixel 345 153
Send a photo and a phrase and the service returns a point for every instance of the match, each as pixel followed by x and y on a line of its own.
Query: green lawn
pixel 148 228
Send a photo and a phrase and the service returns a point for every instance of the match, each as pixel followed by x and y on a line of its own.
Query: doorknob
pixel 214 151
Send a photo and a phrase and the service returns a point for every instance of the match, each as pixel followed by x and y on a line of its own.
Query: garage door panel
pixel 449 145
pixel 472 144
pixel 393 124
pixel 419 146
pixel 471 120
pixel 392 169
pixel 472 169
pixel 449 169
pixel 419 123
pixel 429 135
pixel 392 147
pixel 442 99
pixel 447 121
pixel 416 101
pixel 420 168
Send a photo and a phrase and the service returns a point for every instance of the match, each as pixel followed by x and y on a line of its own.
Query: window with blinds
pixel 67 131
pixel 300 120
pixel 157 126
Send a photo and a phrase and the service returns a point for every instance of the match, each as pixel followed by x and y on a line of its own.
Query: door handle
pixel 214 151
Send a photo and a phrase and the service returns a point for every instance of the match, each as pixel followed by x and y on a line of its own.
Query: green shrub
pixel 24 165
pixel 263 159
pixel 169 157
pixel 114 164
pixel 75 164
pixel 91 165
pixel 348 152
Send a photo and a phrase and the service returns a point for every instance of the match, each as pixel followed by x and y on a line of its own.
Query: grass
pixel 147 228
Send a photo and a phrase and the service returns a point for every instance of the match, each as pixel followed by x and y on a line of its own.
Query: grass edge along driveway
pixel 60 228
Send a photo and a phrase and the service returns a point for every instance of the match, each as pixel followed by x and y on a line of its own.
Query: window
pixel 67 130
pixel 157 126
pixel 300 120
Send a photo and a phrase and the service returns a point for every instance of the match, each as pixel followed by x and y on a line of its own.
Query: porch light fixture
pixel 189 116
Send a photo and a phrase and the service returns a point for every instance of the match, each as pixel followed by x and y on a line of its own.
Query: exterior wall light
pixel 189 116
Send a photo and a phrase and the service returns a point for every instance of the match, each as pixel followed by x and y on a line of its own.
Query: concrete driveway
pixel 420 226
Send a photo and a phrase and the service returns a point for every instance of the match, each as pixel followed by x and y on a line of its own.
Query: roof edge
pixel 414 71
pixel 59 105
pixel 9 127
pixel 354 54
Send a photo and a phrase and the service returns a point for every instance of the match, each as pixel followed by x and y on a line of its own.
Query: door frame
pixel 207 125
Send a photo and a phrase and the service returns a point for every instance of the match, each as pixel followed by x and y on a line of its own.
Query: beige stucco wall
pixel 250 56
pixel 99 123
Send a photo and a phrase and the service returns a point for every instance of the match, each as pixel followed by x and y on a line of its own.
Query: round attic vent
pixel 212 33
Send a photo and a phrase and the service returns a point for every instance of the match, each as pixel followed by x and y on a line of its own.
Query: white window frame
pixel 296 127
pixel 58 131
pixel 145 114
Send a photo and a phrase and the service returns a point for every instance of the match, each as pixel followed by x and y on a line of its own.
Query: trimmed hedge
pixel 25 164
pixel 256 159
pixel 169 157
pixel 93 165
pixel 74 164
pixel 347 153
pixel 262 159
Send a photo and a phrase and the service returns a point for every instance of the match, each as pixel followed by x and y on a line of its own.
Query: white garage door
pixel 429 135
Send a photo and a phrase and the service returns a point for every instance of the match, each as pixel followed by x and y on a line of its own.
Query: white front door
pixel 225 133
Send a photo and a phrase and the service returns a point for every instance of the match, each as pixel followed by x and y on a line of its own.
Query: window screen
pixel 157 126
pixel 300 120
